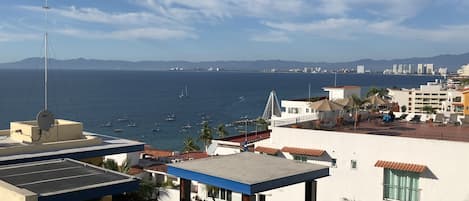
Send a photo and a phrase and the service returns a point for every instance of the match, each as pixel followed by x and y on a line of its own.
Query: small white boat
pixel 187 126
pixel 131 124
pixel 155 130
pixel 107 124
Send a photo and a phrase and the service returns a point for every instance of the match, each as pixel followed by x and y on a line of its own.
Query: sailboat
pixel 184 95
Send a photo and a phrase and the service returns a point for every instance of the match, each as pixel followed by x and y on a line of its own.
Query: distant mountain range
pixel 453 62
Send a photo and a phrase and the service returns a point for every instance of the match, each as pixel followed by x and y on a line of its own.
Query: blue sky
pixel 200 30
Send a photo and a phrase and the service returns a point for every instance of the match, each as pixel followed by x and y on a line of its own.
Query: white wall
pixel 133 158
pixel 446 160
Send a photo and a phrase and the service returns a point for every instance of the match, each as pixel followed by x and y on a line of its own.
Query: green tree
pixel 146 190
pixel 357 103
pixel 190 145
pixel 428 109
pixel 464 82
pixel 262 123
pixel 403 108
pixel 221 131
pixel 373 90
pixel 206 135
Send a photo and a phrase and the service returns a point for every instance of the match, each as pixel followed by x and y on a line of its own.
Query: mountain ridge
pixel 452 61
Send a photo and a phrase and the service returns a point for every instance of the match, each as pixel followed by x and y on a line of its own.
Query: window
pixel 260 197
pixel 299 158
pixel 228 195
pixel 401 185
pixel 293 110
pixel 334 163
pixel 307 110
pixel 353 164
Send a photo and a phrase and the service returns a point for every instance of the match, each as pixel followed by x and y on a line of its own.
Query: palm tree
pixel 373 90
pixel 190 145
pixel 428 109
pixel 206 135
pixel 357 103
pixel 264 125
pixel 145 191
pixel 221 130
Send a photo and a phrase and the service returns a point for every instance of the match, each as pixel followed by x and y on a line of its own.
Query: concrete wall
pixel 28 131
pixel 445 178
pixel 31 148
pixel 132 158
pixel 9 192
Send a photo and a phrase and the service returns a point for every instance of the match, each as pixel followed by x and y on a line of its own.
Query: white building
pixel 429 69
pixel 432 94
pixel 340 92
pixel 406 165
pixel 464 70
pixel 443 71
pixel 360 69
pixel 420 69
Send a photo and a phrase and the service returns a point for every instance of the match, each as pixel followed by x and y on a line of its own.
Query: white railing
pixel 294 120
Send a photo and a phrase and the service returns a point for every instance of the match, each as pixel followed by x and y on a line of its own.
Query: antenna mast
pixel 45 7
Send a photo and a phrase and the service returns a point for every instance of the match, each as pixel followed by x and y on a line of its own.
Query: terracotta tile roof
pixel 401 166
pixel 302 151
pixel 251 137
pixel 191 155
pixel 134 170
pixel 267 150
pixel 156 152
pixel 158 168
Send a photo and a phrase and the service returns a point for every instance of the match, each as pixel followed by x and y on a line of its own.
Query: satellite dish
pixel 45 120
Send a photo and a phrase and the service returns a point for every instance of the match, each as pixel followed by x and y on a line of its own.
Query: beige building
pixel 432 94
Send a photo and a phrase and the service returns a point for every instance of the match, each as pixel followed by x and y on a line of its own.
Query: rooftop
pixel 29 152
pixel 65 178
pixel 248 172
pixel 401 129
pixel 250 137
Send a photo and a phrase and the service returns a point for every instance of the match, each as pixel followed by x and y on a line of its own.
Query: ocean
pixel 147 98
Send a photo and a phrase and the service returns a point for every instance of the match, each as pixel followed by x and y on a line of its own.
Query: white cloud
pixel 345 28
pixel 271 36
pixel 130 34
pixel 8 37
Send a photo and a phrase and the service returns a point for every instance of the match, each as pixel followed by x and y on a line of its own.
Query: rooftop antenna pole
pixel 45 7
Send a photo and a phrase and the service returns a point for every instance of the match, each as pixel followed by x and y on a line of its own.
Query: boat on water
pixel 244 117
pixel 155 130
pixel 118 130
pixel 107 124
pixel 184 95
pixel 171 117
pixel 187 126
pixel 131 124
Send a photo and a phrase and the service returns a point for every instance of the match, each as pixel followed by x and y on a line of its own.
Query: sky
pixel 208 30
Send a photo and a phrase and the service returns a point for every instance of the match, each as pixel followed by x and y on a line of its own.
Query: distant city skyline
pixel 301 30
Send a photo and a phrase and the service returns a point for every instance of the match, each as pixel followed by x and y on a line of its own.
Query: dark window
pixel 334 163
pixel 261 197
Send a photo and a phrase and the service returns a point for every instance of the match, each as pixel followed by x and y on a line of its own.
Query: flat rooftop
pixel 250 137
pixel 248 172
pixel 110 145
pixel 66 177
pixel 401 129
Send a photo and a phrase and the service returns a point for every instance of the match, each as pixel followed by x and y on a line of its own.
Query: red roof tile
pixel 251 137
pixel 135 170
pixel 191 155
pixel 302 151
pixel 156 152
pixel 267 150
pixel 158 168
pixel 401 166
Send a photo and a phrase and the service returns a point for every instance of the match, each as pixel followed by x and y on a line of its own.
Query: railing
pixel 410 193
pixel 294 120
